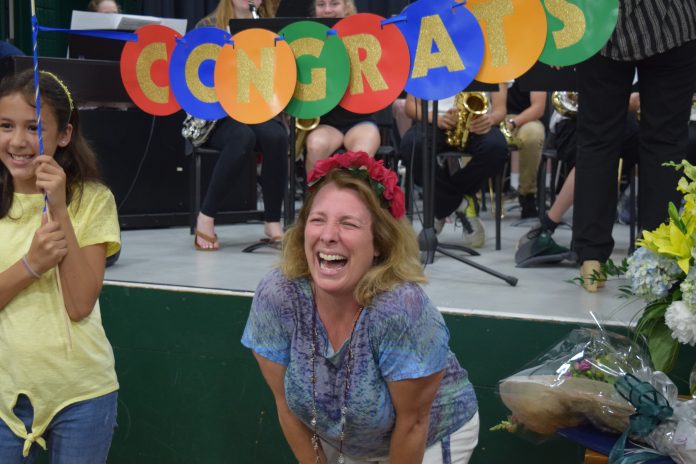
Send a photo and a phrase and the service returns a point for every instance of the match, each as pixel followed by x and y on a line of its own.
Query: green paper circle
pixel 600 21
pixel 333 58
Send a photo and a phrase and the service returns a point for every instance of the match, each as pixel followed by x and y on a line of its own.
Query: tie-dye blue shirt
pixel 401 335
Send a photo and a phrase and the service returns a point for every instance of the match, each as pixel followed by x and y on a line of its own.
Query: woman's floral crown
pixel 383 181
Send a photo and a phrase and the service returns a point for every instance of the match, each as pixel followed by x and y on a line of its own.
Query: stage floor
pixel 166 257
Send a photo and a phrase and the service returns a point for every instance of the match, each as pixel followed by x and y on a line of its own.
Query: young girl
pixel 340 127
pixel 56 365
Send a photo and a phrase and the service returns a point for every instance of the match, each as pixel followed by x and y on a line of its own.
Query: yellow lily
pixel 669 240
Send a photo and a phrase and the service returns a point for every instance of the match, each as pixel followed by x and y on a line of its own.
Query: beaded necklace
pixel 346 387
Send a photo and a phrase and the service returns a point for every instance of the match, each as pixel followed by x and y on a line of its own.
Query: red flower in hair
pixel 383 181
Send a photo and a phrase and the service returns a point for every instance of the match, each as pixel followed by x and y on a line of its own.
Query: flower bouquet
pixel 662 271
pixel 573 384
pixel 603 379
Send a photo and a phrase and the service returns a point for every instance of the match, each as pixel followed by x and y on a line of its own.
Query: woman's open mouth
pixel 331 262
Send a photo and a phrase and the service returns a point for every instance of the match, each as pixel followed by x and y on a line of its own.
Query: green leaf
pixel 652 313
pixel 663 348
pixel 676 219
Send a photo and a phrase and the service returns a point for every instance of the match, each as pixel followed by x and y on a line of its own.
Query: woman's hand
pixel 51 179
pixel 48 247
pixel 481 124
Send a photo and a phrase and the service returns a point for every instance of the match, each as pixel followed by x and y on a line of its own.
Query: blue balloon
pixel 461 45
pixel 205 72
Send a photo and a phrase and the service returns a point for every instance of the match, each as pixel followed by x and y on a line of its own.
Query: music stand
pixel 428 241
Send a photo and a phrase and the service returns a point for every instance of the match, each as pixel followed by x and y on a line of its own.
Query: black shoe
pixel 528 206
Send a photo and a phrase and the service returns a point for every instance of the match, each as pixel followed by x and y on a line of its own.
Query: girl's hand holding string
pixel 51 179
pixel 48 247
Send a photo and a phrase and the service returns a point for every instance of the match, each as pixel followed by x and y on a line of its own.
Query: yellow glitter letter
pixel 433 30
pixel 151 53
pixel 491 14
pixel 261 77
pixel 206 51
pixel 316 89
pixel 573 20
pixel 368 67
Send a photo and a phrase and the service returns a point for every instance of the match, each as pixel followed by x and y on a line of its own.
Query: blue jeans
pixel 79 434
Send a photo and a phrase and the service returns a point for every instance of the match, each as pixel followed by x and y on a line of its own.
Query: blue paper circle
pixel 177 72
pixel 464 32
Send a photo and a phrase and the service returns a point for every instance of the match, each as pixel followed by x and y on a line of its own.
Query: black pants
pixel 666 84
pixel 489 152
pixel 566 142
pixel 236 142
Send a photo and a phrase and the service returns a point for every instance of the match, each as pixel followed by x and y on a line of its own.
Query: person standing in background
pixel 658 40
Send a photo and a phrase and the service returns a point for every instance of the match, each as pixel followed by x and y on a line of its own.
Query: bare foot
pixel 273 230
pixel 206 225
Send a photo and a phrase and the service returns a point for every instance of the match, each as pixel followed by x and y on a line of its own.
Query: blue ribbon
pixel 651 409
pixel 116 35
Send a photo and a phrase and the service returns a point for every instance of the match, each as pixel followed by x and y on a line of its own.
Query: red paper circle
pixel 145 69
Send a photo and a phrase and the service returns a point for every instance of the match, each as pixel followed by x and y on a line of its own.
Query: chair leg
pixel 633 220
pixel 498 209
pixel 541 187
pixel 195 193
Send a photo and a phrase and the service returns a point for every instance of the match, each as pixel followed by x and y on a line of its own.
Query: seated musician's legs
pixel 489 152
pixel 531 137
pixel 273 143
pixel 362 137
pixel 235 141
pixel 403 122
pixel 322 142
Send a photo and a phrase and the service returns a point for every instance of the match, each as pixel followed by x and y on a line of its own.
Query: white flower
pixel 682 322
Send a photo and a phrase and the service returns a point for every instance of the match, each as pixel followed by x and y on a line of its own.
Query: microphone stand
pixel 428 242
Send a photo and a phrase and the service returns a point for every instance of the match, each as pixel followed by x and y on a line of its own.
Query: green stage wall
pixel 191 393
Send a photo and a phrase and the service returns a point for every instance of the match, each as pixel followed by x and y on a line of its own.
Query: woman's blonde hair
pixel 225 11
pixel 350 7
pixel 394 240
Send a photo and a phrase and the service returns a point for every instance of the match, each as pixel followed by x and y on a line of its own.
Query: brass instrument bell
pixel 303 126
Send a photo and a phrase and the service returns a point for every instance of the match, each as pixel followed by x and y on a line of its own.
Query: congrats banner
pixel 433 50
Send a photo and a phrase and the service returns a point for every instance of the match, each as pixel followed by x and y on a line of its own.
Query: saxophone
pixel 565 103
pixel 197 130
pixel 510 136
pixel 469 105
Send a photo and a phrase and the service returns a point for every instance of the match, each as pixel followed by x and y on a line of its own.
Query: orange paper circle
pixel 255 78
pixel 514 34
pixel 145 69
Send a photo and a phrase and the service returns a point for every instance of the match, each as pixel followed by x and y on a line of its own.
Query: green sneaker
pixel 541 249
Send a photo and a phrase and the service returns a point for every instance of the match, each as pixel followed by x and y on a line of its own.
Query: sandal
pixel 273 242
pixel 214 240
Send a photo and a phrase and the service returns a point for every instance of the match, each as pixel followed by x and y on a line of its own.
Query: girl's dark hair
pixel 77 158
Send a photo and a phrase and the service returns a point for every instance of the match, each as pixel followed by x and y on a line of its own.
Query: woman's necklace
pixel 346 387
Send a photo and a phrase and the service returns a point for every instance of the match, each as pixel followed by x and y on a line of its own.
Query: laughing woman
pixel 355 353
